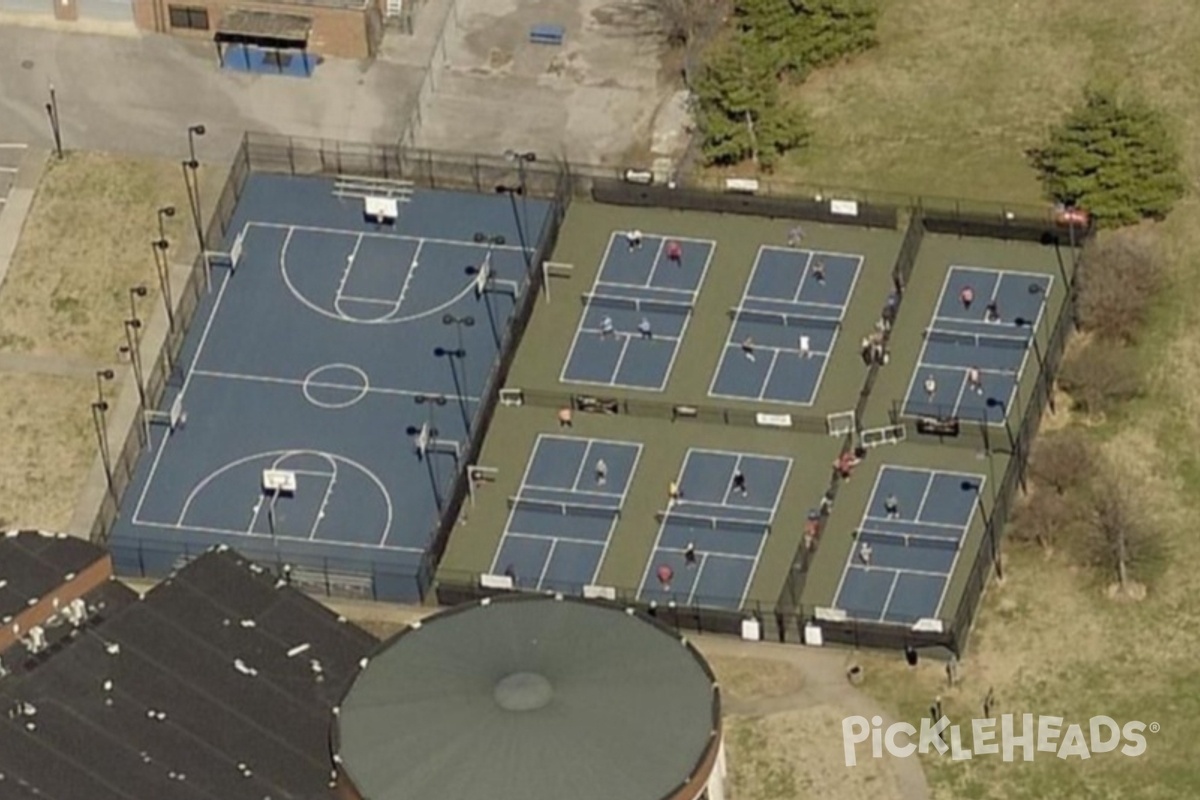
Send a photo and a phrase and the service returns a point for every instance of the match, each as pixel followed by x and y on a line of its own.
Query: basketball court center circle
pixel 357 390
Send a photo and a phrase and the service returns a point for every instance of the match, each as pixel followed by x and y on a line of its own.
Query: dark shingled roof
pixel 529 698
pixel 151 698
pixel 33 564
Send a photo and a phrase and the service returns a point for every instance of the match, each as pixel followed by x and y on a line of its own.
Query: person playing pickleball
pixel 675 253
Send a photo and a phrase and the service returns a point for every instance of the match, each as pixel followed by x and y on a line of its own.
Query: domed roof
pixel 529 697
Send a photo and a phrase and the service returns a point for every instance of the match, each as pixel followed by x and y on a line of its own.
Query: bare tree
pixel 1123 535
pixel 1048 516
pixel 1119 277
pixel 1060 459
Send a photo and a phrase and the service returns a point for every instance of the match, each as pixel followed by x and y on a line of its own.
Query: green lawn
pixel 948 105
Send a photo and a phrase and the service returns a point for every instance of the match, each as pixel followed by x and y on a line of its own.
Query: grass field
pixel 948 105
pixel 85 243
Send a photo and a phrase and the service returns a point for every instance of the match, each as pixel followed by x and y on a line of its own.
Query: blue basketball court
pixel 330 381
pixel 785 327
pixel 726 528
pixel 562 518
pixel 904 575
pixel 960 338
pixel 637 286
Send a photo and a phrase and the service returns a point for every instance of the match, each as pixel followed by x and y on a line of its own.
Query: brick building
pixel 337 28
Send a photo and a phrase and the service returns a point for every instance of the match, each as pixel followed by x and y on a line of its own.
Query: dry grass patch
pixel 746 679
pixel 48 445
pixel 86 242
pixel 799 754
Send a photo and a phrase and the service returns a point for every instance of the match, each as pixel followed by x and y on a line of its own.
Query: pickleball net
pixel 714 523
pixel 784 320
pixel 562 509
pixel 642 305
pixel 976 339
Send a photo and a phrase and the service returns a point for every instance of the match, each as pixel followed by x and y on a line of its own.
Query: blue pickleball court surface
pixel 637 286
pixel 913 554
pixel 726 528
pixel 786 325
pixel 960 338
pixel 561 521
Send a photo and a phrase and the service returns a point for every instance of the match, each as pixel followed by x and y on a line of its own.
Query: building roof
pixel 264 26
pixel 34 564
pixel 219 683
pixel 529 698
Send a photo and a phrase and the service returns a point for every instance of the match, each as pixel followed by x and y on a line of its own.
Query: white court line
pixel 696 581
pixel 349 266
pixel 412 269
pixel 183 391
pixel 625 341
pixel 924 496
pixel 804 272
pixel 737 464
pixel 229 532
pixel 353 298
pixel 762 544
pixel 552 538
pixel 887 603
pixel 324 502
pixel 858 262
pixel 912 381
pixel 613 528
pixel 994 270
pixel 546 563
pixel 512 511
pixel 831 253
pixel 854 542
pixel 675 353
pixel 898 571
pixel 762 390
pixel 824 366
pixel 779 490
pixel 966 532
pixel 654 264
pixel 587 451
pixel 234 376
pixel 375 235
pixel 712 250
pixel 962 389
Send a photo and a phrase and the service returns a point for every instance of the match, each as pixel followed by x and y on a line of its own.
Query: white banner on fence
pixel 845 208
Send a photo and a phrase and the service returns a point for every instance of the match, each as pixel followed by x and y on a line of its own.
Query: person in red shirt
pixel 966 297
pixel 675 253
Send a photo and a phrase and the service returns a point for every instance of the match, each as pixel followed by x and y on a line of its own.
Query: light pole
pixel 433 480
pixel 513 192
pixel 459 323
pixel 522 158
pixel 432 401
pixel 193 185
pixel 450 355
pixel 1021 322
pixel 100 423
pixel 133 348
pixel 162 264
pixel 971 486
pixel 55 128
pixel 995 402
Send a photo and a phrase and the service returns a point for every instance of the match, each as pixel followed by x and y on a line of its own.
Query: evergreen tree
pixel 1115 159
pixel 739 110
pixel 803 35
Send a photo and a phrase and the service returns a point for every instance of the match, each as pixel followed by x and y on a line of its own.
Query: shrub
pixel 1098 377
pixel 803 35
pixel 1114 158
pixel 1120 276
pixel 739 111
pixel 1047 516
